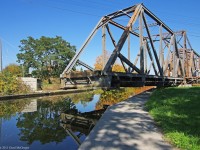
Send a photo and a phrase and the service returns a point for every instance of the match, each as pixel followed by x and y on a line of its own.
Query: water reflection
pixel 73 121
pixel 56 122
pixel 39 123
pixel 31 107
pixel 43 125
pixel 115 96
pixel 9 108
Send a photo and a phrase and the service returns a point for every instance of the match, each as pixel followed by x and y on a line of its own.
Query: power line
pixel 82 13
pixel 198 36
pixel 176 14
pixel 12 45
pixel 182 22
pixel 66 9
pixel 101 4
pixel 98 15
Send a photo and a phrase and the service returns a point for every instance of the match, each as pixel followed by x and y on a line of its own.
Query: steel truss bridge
pixel 164 58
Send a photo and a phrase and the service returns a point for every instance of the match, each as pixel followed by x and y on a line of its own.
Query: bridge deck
pixel 119 79
pixel 126 126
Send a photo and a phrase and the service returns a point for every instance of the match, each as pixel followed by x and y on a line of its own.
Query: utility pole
pixel 0 56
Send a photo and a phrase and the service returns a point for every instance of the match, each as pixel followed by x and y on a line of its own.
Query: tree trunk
pixel 49 81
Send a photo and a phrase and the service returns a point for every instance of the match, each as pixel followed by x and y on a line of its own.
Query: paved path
pixel 126 126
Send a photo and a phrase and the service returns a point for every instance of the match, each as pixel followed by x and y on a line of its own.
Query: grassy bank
pixel 177 112
pixel 55 84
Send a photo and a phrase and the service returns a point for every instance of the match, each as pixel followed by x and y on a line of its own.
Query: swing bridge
pixel 164 57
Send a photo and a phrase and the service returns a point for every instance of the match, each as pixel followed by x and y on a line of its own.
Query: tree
pixel 43 125
pixel 99 63
pixel 14 69
pixel 47 56
pixel 9 81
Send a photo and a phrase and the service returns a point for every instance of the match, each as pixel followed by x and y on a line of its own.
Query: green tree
pixel 47 56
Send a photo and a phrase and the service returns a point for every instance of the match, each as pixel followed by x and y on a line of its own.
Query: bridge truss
pixel 164 57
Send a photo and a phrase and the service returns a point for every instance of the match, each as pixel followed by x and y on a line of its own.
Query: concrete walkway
pixel 125 126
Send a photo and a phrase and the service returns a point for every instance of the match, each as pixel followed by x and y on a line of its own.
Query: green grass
pixel 177 112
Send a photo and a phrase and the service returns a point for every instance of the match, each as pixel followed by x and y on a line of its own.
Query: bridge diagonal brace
pixel 150 14
pixel 114 43
pixel 151 58
pixel 188 42
pixel 129 63
pixel 85 65
pixel 179 41
pixel 122 40
pixel 168 56
pixel 177 54
pixel 122 27
pixel 176 67
pixel 118 48
pixel 110 34
pixel 152 45
pixel 124 65
pixel 125 13
pixel 74 137
pixel 137 57
pixel 166 42
pixel 149 68
pixel 191 63
pixel 77 55
pixel 122 12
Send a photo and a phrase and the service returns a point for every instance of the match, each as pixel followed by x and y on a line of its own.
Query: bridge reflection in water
pixel 80 122
pixel 57 122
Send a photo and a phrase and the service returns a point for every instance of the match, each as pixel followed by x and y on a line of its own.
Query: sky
pixel 75 19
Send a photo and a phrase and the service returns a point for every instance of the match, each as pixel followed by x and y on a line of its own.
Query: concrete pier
pixel 125 126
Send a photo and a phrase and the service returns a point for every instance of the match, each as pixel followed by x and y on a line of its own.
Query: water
pixel 35 123
pixel 48 123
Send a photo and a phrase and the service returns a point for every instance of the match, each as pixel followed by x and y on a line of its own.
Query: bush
pixel 9 84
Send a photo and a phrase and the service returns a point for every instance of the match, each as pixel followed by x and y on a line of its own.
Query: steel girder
pixel 174 58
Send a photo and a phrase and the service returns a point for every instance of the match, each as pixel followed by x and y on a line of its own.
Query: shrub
pixel 9 84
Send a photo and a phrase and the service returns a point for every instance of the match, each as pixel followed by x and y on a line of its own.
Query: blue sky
pixel 74 20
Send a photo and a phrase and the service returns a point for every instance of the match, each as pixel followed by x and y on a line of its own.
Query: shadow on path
pixel 126 125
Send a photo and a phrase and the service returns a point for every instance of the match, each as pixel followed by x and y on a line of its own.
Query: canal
pixel 55 122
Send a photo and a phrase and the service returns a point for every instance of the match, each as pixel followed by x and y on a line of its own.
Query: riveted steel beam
pixel 122 40
pixel 152 45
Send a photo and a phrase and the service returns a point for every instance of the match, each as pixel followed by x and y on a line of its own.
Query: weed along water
pixel 56 122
